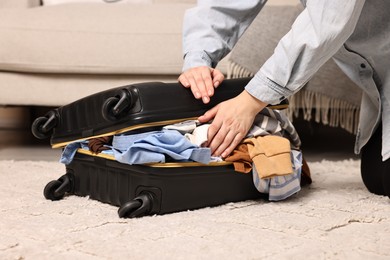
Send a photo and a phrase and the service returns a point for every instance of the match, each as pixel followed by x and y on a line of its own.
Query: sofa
pixel 51 55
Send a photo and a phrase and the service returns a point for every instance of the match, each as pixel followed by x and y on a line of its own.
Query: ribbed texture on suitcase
pixel 175 189
pixel 93 178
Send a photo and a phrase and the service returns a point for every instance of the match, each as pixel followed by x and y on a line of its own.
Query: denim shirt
pixel 356 33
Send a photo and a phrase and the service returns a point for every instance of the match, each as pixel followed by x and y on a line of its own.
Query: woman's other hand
pixel 202 81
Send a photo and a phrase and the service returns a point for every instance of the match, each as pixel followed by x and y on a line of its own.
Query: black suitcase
pixel 141 190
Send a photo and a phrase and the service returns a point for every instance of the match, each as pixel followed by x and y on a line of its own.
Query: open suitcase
pixel 141 190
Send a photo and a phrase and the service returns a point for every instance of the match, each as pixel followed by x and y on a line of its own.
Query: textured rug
pixel 335 218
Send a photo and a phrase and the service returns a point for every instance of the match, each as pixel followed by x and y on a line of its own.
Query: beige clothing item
pixel 241 159
pixel 271 155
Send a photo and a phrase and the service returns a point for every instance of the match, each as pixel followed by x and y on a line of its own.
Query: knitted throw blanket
pixel 330 97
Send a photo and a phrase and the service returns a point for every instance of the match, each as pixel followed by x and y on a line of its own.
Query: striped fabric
pixel 275 122
pixel 281 187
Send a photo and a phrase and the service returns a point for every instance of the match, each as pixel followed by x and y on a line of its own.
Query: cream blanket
pixel 330 97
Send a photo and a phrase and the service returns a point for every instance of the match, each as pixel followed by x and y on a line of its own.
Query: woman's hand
pixel 232 121
pixel 202 81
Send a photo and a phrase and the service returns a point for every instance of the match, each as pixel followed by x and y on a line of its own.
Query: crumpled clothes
pixel 240 158
pixel 199 135
pixel 274 122
pixel 267 122
pixel 281 187
pixel 99 144
pixel 195 132
pixel 70 150
pixel 149 147
pixel 271 155
pixel 184 127
pixel 154 147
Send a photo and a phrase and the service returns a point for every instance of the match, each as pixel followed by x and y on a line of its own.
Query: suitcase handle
pixel 115 107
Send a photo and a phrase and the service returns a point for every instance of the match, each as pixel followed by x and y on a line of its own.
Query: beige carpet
pixel 336 218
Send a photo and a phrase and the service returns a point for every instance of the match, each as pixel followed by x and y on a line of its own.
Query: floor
pixel 317 223
pixel 318 142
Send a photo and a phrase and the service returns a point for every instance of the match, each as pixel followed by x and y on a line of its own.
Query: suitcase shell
pixel 141 190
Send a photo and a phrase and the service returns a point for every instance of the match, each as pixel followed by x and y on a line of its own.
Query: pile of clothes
pixel 270 151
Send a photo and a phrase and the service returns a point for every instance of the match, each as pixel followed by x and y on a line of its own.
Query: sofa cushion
pixel 39 89
pixel 18 3
pixel 56 2
pixel 93 38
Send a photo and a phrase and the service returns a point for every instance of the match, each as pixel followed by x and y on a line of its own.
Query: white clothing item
pixel 184 127
pixel 198 135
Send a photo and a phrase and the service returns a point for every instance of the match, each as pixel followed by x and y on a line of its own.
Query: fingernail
pixel 216 84
pixel 205 99
pixel 210 92
pixel 197 94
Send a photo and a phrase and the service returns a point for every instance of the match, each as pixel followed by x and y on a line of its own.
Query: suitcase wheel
pixel 116 107
pixel 42 126
pixel 138 207
pixel 55 190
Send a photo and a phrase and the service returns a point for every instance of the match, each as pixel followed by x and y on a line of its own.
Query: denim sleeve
pixel 212 28
pixel 315 36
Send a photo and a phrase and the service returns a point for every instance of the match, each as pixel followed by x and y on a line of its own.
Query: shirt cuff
pixel 267 90
pixel 196 59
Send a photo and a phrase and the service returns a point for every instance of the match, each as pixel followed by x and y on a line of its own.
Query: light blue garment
pixel 149 147
pixel 153 147
pixel 70 151
pixel 281 187
pixel 356 33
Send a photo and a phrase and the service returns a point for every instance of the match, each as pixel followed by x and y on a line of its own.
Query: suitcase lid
pixel 129 108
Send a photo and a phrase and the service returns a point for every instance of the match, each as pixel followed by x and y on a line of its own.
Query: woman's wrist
pixel 255 105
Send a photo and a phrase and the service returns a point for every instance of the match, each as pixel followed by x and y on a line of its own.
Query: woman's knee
pixel 375 173
pixel 372 176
